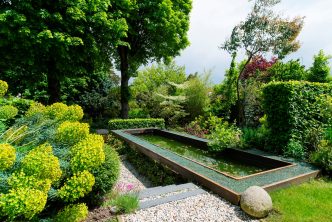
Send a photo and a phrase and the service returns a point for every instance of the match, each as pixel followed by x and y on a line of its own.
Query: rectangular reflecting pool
pixel 228 173
pixel 223 163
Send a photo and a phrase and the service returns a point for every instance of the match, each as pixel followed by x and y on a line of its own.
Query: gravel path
pixel 129 176
pixel 201 208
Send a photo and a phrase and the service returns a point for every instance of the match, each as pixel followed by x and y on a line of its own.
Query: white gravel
pixel 200 208
pixel 129 176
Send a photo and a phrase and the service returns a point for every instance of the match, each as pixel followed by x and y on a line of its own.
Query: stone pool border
pixel 223 185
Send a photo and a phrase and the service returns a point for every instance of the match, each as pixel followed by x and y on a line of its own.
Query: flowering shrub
pixel 72 213
pixel 77 186
pixel 88 153
pixel 7 156
pixel 35 108
pixel 3 88
pixel 56 111
pixel 24 202
pixel 71 132
pixel 8 112
pixel 21 180
pixel 73 113
pixel 41 163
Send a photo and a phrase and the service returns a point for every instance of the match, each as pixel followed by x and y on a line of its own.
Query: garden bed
pixel 285 171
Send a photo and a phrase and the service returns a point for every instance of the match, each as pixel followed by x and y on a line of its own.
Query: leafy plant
pixel 8 112
pixel 72 213
pixel 7 156
pixel 125 203
pixel 224 136
pixel 3 88
pixel 72 132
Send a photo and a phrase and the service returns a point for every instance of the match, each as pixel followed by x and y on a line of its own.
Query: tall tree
pixel 263 31
pixel 320 70
pixel 57 38
pixel 157 31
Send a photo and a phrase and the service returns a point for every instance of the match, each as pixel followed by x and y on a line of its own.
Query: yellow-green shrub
pixel 8 112
pixel 3 88
pixel 77 186
pixel 35 108
pixel 21 180
pixel 88 154
pixel 41 163
pixel 73 113
pixel 72 213
pixel 7 156
pixel 22 202
pixel 56 111
pixel 71 132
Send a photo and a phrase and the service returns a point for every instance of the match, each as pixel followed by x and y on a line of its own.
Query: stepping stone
pixel 175 197
pixel 159 191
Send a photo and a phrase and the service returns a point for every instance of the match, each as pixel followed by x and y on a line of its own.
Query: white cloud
pixel 212 22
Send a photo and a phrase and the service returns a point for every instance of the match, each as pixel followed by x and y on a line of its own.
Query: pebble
pixel 200 208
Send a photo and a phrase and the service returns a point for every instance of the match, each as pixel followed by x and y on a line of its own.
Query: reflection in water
pixel 221 163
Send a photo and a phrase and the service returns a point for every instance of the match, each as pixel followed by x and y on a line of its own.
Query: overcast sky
pixel 213 20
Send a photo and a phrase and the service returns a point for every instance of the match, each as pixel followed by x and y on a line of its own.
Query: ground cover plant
pixel 50 162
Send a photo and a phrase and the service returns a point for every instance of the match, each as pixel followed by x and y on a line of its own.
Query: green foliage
pixel 293 112
pixel 223 96
pixel 21 180
pixel 158 174
pixel 35 108
pixel 320 70
pixel 196 93
pixel 88 154
pixel 24 202
pixel 291 70
pixel 254 137
pixel 107 174
pixel 77 186
pixel 62 40
pixel 151 78
pixel 71 132
pixel 7 156
pixel 41 163
pixel 224 136
pixel 72 213
pixel 322 156
pixel 3 88
pixel 126 203
pixel 135 123
pixel 8 112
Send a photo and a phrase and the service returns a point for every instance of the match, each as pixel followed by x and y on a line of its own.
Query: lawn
pixel 308 202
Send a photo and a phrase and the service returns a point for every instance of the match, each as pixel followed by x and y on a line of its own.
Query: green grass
pixel 307 202
pixel 125 203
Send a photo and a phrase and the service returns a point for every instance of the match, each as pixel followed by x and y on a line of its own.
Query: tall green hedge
pixel 294 115
pixel 115 124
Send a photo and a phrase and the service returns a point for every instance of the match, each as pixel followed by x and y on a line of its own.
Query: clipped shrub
pixel 41 163
pixel 21 180
pixel 3 88
pixel 8 112
pixel 7 156
pixel 107 174
pixel 87 154
pixel 115 124
pixel 23 202
pixel 224 136
pixel 71 132
pixel 292 112
pixel 77 186
pixel 72 213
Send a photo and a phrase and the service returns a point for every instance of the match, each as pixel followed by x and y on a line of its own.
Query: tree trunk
pixel 124 68
pixel 240 102
pixel 53 83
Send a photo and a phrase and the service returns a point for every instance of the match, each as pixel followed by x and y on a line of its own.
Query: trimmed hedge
pixel 294 115
pixel 116 124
